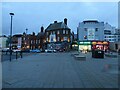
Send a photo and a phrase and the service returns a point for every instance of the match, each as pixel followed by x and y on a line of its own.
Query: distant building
pixel 117 31
pixel 29 41
pixel 91 35
pixel 90 30
pixel 32 41
pixel 108 29
pixel 41 39
pixel 115 45
pixel 58 35
pixel 112 37
pixel 3 41
pixel 16 41
pixel 109 33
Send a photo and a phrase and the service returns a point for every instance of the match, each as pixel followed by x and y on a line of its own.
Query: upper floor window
pixel 58 32
pixel 36 41
pixel 47 39
pixel 53 32
pixel 47 33
pixel 67 32
pixel 85 29
pixel 96 29
pixel 31 41
pixel 63 31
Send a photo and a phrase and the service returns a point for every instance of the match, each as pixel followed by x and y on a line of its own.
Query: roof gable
pixel 59 25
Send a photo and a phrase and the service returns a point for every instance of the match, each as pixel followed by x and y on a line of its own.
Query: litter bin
pixel 97 54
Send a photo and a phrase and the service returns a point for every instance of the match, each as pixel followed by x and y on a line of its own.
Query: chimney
pixel 33 33
pixel 65 21
pixel 42 28
pixel 55 21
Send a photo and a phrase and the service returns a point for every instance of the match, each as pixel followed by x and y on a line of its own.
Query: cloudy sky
pixel 33 15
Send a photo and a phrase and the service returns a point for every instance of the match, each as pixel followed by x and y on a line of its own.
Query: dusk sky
pixel 33 15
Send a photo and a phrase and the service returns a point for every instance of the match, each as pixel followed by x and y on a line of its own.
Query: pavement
pixel 60 70
pixel 6 57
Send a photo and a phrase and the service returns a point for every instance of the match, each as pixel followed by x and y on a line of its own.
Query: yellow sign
pixel 94 43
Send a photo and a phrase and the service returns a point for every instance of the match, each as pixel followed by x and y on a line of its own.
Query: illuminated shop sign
pixel 94 43
pixel 105 42
pixel 84 43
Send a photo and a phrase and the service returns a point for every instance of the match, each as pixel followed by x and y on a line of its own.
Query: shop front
pixel 84 46
pixel 100 45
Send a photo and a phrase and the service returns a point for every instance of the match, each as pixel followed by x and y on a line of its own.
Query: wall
pixel 112 46
pixel 98 34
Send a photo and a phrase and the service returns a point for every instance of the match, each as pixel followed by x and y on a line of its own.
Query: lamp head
pixel 11 13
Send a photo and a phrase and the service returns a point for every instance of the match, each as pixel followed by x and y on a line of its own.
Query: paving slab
pixel 58 70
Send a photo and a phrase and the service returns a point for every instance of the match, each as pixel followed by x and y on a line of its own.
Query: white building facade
pixel 3 40
pixel 91 36
pixel 90 30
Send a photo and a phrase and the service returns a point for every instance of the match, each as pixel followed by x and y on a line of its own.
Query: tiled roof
pixel 59 25
pixel 40 34
pixel 17 35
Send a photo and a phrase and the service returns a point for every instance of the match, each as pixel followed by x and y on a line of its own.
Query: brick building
pixel 58 35
pixel 32 41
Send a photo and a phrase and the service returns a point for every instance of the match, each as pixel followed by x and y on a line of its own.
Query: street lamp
pixel 11 14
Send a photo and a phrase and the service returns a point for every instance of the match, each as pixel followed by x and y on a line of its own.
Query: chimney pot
pixel 65 21
pixel 55 21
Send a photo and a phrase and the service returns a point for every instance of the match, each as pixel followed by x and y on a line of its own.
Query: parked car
pixel 50 50
pixel 61 50
pixel 5 49
pixel 16 50
pixel 35 51
pixel 26 51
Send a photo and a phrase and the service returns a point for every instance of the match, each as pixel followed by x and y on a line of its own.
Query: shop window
pixel 96 29
pixel 85 29
pixel 63 31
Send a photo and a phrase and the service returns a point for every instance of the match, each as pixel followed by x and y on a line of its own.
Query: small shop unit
pixel 100 45
pixel 84 46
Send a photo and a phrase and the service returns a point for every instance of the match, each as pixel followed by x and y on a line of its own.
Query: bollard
pixel 16 54
pixel 6 52
pixel 21 54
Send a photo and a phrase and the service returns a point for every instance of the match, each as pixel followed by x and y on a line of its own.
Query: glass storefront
pixel 89 45
pixel 101 45
pixel 85 47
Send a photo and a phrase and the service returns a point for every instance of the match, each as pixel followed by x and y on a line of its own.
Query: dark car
pixel 26 50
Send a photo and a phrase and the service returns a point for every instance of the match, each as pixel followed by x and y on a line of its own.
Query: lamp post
pixel 26 39
pixel 11 14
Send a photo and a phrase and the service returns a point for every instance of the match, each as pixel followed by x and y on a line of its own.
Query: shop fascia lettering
pixel 84 43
